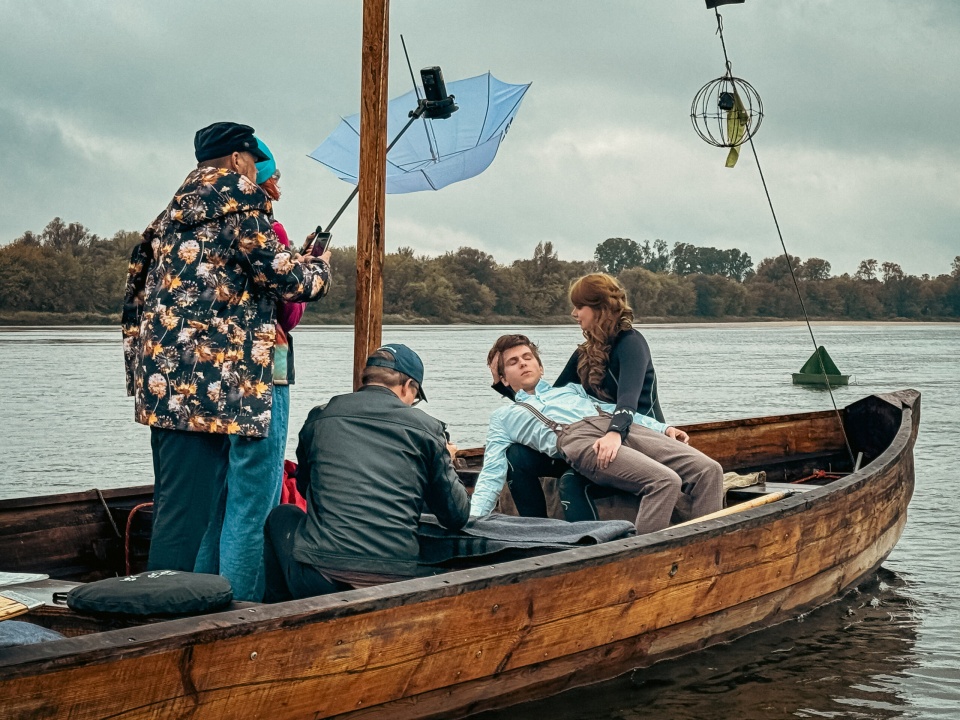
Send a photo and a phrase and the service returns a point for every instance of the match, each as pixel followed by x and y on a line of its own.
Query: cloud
pixel 99 102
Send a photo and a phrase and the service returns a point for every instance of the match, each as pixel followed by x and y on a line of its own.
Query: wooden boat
pixel 483 637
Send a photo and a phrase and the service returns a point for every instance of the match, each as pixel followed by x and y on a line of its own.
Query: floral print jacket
pixel 199 309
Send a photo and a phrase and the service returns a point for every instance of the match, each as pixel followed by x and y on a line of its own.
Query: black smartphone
pixel 321 242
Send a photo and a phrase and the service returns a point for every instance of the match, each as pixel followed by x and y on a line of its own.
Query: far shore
pixel 32 320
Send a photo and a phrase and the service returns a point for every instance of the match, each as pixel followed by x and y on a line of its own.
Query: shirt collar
pixel 541 387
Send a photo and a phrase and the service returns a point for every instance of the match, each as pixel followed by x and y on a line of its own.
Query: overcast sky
pixel 99 102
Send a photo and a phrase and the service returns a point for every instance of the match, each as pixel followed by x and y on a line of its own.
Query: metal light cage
pixel 710 119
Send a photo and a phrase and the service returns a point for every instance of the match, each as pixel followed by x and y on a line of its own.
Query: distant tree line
pixel 65 269
pixel 711 283
pixel 69 271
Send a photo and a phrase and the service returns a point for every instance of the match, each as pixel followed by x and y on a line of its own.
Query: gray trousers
pixel 665 473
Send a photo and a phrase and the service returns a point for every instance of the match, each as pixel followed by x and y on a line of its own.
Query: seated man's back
pixel 369 464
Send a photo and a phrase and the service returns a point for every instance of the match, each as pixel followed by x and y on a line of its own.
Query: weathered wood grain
pixel 470 640
pixel 58 535
pixel 368 315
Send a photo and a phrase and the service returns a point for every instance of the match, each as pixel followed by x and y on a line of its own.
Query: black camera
pixel 439 105
pixel 434 88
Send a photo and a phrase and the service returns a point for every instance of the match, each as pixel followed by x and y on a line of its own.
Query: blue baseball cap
pixel 265 168
pixel 404 360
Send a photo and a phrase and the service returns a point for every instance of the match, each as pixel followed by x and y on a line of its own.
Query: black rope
pixel 106 507
pixel 723 43
pixel 417 91
pixel 786 255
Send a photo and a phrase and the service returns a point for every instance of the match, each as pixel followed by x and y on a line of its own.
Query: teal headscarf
pixel 265 168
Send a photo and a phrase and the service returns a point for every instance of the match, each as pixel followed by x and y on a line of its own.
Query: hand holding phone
pixel 317 243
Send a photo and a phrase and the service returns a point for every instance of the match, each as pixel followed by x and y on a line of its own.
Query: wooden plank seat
pixel 744 494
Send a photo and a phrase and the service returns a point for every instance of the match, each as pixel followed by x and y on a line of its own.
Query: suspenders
pixel 555 426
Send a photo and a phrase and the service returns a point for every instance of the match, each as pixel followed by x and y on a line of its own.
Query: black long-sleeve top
pixel 630 378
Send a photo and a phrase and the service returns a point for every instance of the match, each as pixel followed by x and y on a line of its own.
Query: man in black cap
pixel 228 145
pixel 368 464
pixel 198 327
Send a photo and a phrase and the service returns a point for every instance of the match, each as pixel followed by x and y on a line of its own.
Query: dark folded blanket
pixel 18 632
pixel 506 537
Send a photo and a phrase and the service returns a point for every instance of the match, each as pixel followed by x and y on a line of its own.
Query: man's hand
pixel 495 368
pixel 606 448
pixel 452 449
pixel 680 435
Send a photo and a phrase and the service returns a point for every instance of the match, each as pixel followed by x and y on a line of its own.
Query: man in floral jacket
pixel 198 327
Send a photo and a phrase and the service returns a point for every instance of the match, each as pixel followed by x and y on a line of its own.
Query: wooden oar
pixel 13 604
pixel 757 502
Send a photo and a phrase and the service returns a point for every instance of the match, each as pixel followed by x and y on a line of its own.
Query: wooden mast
pixel 368 321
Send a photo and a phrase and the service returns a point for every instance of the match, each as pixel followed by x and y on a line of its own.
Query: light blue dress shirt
pixel 514 424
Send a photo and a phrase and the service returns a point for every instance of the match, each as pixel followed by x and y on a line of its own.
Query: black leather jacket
pixel 367 465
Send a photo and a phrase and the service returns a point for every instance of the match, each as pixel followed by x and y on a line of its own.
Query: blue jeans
pixel 287 578
pixel 233 543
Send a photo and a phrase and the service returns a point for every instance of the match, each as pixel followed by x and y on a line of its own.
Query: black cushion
pixel 157 592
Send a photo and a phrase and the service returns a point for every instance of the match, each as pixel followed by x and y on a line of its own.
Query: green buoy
pixel 812 372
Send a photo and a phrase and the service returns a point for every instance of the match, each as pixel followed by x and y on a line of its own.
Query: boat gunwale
pixel 133 491
pixel 177 633
pixel 73 497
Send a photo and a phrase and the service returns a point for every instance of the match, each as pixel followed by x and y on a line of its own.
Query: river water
pixel 890 651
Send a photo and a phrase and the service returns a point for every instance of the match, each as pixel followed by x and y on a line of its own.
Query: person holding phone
pixel 198 332
pixel 233 543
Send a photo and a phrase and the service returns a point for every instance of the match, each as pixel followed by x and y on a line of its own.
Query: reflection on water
pixel 890 652
pixel 849 659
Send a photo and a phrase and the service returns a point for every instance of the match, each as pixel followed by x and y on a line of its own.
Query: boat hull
pixel 483 638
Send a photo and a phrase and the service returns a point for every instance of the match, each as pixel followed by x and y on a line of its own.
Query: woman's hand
pixel 680 435
pixel 325 257
pixel 607 448
pixel 495 368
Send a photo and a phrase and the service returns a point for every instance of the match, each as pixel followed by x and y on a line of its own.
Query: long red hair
pixel 607 298
pixel 271 188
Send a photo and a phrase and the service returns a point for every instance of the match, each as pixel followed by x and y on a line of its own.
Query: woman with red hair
pixel 233 543
pixel 613 364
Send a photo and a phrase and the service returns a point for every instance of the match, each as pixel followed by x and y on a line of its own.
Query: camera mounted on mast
pixel 437 105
